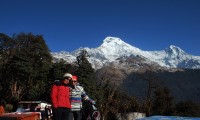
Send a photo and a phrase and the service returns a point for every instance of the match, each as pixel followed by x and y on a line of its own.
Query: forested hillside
pixel 184 84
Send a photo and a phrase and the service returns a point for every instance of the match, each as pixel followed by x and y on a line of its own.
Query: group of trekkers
pixel 69 98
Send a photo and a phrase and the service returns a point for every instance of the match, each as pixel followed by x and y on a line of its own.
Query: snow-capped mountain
pixel 114 48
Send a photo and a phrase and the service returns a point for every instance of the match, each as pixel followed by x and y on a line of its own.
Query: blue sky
pixel 70 24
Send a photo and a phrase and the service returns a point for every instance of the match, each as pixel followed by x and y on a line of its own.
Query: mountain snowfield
pixel 114 48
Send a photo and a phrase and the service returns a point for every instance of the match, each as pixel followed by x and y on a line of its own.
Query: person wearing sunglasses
pixel 60 97
pixel 77 92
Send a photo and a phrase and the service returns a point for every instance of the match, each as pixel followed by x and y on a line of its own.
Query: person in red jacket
pixel 2 110
pixel 60 97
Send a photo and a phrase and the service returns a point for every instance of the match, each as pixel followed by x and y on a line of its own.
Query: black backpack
pixel 89 111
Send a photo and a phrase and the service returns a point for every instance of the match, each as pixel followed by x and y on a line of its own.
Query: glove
pixel 85 97
pixel 92 101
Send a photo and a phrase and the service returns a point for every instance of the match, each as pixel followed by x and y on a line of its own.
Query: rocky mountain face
pixel 113 49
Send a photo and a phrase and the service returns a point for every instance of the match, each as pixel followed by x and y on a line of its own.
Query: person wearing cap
pixel 60 97
pixel 77 94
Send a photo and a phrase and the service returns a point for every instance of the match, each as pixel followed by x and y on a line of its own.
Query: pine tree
pixel 86 73
pixel 6 48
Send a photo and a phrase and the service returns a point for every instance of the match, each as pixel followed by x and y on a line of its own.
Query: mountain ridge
pixel 114 48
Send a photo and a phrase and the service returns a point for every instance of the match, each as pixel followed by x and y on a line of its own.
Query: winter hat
pixel 67 75
pixel 74 78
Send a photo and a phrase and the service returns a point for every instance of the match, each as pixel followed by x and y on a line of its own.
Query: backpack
pixel 89 111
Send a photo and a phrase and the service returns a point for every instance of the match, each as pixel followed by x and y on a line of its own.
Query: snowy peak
pixel 114 42
pixel 174 50
pixel 111 39
pixel 117 47
pixel 175 55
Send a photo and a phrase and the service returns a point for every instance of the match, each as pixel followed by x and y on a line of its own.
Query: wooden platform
pixel 20 116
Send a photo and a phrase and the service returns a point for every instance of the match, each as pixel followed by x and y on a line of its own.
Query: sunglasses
pixel 73 81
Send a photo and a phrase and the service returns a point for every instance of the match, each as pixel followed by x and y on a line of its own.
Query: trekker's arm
pixel 86 97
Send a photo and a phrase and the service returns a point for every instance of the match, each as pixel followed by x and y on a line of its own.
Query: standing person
pixel 60 96
pixel 2 110
pixel 76 100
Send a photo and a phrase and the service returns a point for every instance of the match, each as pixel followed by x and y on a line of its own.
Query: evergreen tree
pixel 26 67
pixel 86 73
pixel 20 71
pixel 6 51
pixel 57 70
